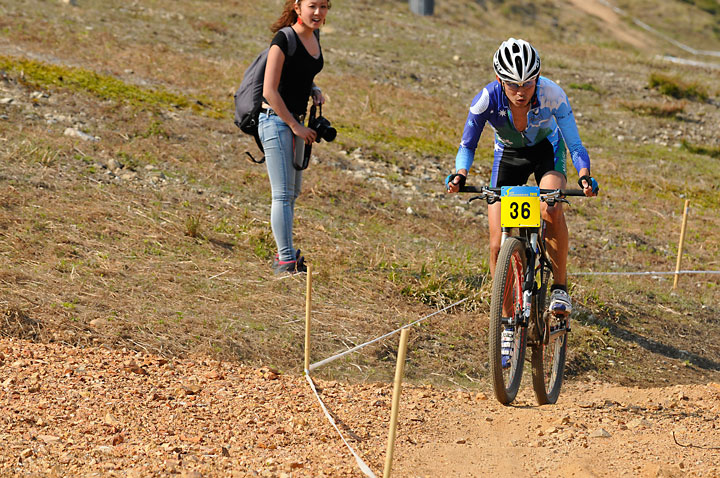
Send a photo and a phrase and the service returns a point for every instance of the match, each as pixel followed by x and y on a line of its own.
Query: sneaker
pixel 290 267
pixel 560 303
pixel 506 346
pixel 300 259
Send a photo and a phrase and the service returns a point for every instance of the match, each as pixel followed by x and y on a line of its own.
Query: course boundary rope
pixel 640 273
pixel 389 334
pixel 361 464
pixel 652 30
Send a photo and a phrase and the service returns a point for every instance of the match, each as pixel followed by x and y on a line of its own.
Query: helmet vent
pixel 516 61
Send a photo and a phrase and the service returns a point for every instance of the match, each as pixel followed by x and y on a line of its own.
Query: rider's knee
pixel 552 214
pixel 494 248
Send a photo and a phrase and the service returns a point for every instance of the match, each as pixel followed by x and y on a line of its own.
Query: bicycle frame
pixel 535 251
pixel 530 322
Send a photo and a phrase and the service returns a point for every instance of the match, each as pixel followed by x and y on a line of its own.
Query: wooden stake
pixel 308 301
pixel 682 241
pixel 399 371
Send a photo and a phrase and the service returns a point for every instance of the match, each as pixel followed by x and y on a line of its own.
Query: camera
pixel 321 126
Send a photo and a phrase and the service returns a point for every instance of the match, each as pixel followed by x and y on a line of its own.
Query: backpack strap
pixel 256 135
pixel 292 47
pixel 291 38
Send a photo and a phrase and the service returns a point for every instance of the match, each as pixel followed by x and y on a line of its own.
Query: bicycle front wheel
pixel 548 354
pixel 507 333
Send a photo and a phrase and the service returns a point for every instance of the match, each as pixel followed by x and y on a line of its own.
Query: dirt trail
pixel 596 430
pixel 614 24
pixel 77 412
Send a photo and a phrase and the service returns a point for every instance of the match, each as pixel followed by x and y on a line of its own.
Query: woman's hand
pixel 317 96
pixel 308 135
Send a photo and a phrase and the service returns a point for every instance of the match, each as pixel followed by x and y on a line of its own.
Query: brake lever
pixel 550 201
pixel 474 198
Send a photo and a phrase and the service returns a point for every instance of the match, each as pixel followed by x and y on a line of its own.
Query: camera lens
pixel 329 134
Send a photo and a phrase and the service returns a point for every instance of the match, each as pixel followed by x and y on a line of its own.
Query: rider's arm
pixel 578 154
pixel 568 127
pixel 471 133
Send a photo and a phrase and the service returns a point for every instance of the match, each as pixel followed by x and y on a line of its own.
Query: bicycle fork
pixel 529 289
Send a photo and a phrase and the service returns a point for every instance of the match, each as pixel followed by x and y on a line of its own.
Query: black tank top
pixel 298 73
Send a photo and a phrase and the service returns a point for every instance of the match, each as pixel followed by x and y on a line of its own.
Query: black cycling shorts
pixel 515 165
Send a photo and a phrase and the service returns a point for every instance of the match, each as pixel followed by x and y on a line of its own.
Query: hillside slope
pixel 142 332
pixel 129 218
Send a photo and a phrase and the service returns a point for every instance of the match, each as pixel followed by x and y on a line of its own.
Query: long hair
pixel 288 16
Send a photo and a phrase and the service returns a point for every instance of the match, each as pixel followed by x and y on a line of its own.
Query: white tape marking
pixel 652 30
pixel 363 466
pixel 648 273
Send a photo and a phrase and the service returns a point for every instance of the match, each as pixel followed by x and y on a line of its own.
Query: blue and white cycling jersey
pixel 550 117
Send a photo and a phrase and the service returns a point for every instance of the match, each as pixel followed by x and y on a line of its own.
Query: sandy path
pixel 596 430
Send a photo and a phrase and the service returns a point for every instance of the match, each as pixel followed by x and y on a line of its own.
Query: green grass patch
pixel 676 88
pixel 584 87
pixel 43 75
pixel 712 151
pixel 387 138
pixel 441 282
pixel 710 6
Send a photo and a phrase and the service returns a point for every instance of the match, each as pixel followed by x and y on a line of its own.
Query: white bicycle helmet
pixel 516 61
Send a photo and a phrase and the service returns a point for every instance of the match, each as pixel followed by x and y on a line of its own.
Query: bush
pixel 662 109
pixel 712 151
pixel 676 88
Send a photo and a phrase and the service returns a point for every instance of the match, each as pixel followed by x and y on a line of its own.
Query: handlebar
pixel 496 191
pixel 550 196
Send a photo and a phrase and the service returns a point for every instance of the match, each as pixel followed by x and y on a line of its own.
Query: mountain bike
pixel 519 304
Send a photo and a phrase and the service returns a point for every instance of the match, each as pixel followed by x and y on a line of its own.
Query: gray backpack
pixel 248 98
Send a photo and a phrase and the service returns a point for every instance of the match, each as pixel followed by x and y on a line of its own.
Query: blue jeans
pixel 277 139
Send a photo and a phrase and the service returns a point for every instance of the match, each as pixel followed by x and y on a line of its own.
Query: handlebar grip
pixel 470 189
pixel 573 192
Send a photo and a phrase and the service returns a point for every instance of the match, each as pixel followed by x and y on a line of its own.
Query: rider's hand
pixel 589 185
pixel 454 182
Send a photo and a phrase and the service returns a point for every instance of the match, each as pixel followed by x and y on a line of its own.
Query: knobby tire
pixel 548 356
pixel 508 282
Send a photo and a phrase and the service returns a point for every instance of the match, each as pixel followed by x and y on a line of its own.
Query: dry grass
pixel 174 259
pixel 663 109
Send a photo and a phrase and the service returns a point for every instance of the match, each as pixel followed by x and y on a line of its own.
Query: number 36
pixel 520 209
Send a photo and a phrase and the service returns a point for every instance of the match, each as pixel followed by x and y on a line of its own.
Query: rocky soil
pixel 68 411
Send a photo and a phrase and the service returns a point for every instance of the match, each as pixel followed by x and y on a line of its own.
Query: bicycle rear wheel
pixel 548 355
pixel 507 294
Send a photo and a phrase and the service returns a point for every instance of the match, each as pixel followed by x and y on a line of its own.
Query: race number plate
pixel 520 206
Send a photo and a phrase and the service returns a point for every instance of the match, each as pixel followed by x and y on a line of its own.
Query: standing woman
pixel 287 86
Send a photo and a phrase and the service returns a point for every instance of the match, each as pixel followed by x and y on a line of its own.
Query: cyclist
pixel 533 122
